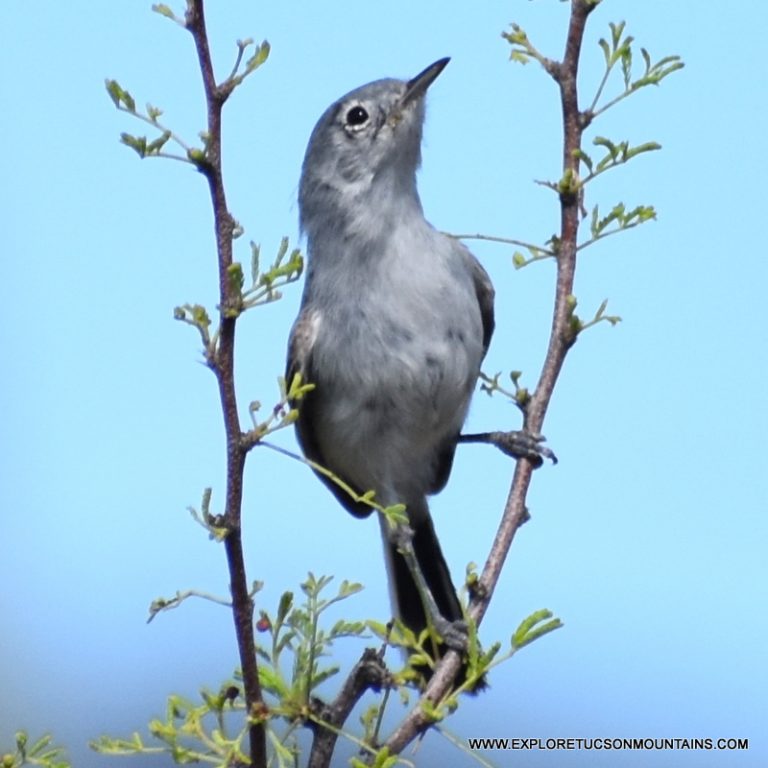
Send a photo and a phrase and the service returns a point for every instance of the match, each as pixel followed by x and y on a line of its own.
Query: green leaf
pixel 255 255
pixel 127 99
pixel 528 631
pixel 323 675
pixel 235 277
pixel 115 91
pixel 581 155
pixel 626 64
pixel 273 681
pixel 155 146
pixel 396 514
pixel 606 50
pixel 646 59
pixel 284 606
pixel 346 628
pixel 348 588
pixel 649 146
pixel 197 156
pixel 380 630
pixel 164 10
pixel 616 32
pixel 259 57
pixel 153 113
pixel 137 143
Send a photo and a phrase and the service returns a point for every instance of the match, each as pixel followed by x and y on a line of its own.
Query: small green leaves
pixel 197 316
pixel 382 759
pixel 214 524
pixel 517 38
pixel 523 50
pixel 579 154
pixel 190 733
pixel 153 113
pixel 193 313
pixel 298 388
pixel 154 147
pixel 576 325
pixel 490 385
pixel 655 73
pixel 616 220
pixel 285 269
pixel 137 143
pixel 297 630
pixel 235 283
pixel 619 51
pixel 143 147
pixel 569 185
pixel 396 514
pixel 535 626
pixel 40 752
pixel 165 10
pixel 196 156
pixel 600 316
pixel 536 253
pixel 257 58
pixel 120 97
pixel 293 662
pixel 616 154
pixel 260 55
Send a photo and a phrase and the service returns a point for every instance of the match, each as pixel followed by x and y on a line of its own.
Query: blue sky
pixel 648 539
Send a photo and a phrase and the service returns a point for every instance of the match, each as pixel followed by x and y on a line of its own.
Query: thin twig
pixel 506 241
pixel 369 673
pixel 222 363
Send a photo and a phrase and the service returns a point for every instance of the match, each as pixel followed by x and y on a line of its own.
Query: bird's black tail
pixel 405 596
pixel 429 556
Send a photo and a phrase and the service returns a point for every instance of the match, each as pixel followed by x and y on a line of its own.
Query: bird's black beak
pixel 417 87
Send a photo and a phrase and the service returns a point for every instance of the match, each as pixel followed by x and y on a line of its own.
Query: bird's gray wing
pixel 485 295
pixel 300 360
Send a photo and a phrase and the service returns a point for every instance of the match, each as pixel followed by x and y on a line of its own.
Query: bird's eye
pixel 357 116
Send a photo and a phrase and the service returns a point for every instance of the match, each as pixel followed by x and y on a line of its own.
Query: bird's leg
pixel 517 444
pixel 453 634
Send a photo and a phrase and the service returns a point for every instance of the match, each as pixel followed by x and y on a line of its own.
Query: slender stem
pixel 223 366
pixel 612 103
pixel 160 127
pixel 599 92
pixel 507 241
pixel 607 233
pixel 369 673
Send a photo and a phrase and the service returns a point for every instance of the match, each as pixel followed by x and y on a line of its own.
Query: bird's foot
pixel 454 634
pixel 519 444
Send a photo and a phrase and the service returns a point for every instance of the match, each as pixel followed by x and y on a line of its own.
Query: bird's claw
pixel 525 445
pixel 519 444
pixel 455 634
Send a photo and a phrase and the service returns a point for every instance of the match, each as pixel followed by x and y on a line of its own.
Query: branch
pixel 369 673
pixel 222 363
pixel 561 335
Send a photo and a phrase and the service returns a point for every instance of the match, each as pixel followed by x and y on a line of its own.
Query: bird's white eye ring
pixel 356 116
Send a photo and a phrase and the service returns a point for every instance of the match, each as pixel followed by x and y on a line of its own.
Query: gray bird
pixel 395 320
